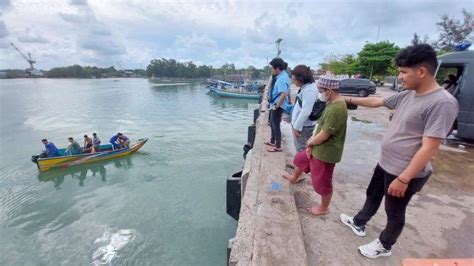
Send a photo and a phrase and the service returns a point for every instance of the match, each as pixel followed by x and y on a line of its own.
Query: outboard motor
pixel 35 158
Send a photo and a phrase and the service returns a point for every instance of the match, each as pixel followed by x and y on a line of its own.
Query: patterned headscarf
pixel 328 82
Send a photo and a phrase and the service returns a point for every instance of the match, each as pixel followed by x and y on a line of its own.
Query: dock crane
pixel 31 70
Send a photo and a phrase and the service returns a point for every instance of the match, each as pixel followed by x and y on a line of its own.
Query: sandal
pixel 275 149
pixel 269 143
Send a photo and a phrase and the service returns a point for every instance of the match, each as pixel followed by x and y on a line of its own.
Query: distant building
pixel 13 73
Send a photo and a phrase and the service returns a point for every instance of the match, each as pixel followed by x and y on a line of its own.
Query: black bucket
pixel 233 195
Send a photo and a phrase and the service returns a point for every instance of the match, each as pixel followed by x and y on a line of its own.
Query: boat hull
pixel 230 94
pixel 46 164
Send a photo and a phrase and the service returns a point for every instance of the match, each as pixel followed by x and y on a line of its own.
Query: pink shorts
pixel 321 172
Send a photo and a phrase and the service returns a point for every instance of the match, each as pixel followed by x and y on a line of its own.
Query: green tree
pixel 347 64
pixel 416 39
pixel 253 71
pixel 452 31
pixel 376 58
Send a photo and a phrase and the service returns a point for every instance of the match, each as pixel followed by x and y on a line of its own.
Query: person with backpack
pixel 324 149
pixel 278 100
pixel 301 124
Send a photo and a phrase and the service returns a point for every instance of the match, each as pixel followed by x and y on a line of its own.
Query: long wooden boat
pixel 235 94
pixel 106 152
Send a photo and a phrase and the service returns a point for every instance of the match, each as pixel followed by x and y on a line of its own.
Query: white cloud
pixel 3 30
pixel 133 32
pixel 31 36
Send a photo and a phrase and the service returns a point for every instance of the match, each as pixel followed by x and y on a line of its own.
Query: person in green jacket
pixel 324 149
pixel 73 148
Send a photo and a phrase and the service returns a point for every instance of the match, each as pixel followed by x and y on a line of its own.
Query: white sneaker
pixel 374 250
pixel 349 221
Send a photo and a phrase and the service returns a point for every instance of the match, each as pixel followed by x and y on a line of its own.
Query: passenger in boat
pixel 114 141
pixel 87 145
pixel 50 149
pixel 123 140
pixel 73 148
pixel 96 142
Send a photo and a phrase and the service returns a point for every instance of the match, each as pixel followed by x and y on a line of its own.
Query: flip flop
pixel 301 179
pixel 310 211
pixel 269 143
pixel 275 150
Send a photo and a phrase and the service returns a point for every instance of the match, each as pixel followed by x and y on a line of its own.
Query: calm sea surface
pixel 164 205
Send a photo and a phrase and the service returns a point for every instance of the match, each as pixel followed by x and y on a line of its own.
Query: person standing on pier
pixel 324 149
pixel 425 113
pixel 278 99
pixel 302 125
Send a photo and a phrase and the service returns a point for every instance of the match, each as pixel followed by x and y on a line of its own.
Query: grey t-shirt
pixel 416 116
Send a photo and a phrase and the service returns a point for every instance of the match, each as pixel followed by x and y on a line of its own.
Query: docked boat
pixel 225 89
pixel 64 161
pixel 235 94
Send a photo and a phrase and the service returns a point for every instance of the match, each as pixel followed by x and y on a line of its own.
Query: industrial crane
pixel 31 70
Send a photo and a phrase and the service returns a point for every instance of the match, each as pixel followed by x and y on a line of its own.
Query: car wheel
pixel 363 93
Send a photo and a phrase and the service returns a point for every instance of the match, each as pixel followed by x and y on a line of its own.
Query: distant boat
pixel 230 90
pixel 65 161
pixel 235 94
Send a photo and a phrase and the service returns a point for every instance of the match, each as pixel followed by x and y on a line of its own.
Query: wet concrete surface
pixel 439 220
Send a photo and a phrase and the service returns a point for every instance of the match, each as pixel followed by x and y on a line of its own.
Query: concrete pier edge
pixel 269 230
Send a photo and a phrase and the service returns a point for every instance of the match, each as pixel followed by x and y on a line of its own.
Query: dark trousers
pixel 275 120
pixel 394 207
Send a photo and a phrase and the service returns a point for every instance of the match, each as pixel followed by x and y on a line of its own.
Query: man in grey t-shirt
pixel 424 116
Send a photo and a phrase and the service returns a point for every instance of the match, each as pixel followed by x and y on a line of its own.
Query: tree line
pixel 171 68
pixel 376 59
pixel 77 71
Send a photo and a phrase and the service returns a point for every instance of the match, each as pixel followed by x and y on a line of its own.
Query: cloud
pixel 93 35
pixel 28 36
pixel 4 4
pixel 217 32
pixel 72 18
pixel 104 47
pixel 3 30
pixel 78 2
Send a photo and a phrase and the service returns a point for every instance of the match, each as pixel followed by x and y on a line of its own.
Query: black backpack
pixel 318 108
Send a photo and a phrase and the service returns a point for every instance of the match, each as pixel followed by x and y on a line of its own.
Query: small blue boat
pixel 229 90
pixel 235 94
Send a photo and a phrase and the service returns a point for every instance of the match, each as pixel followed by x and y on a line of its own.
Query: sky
pixel 128 34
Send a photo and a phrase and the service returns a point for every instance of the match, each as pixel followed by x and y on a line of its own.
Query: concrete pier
pixel 275 229
pixel 269 230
